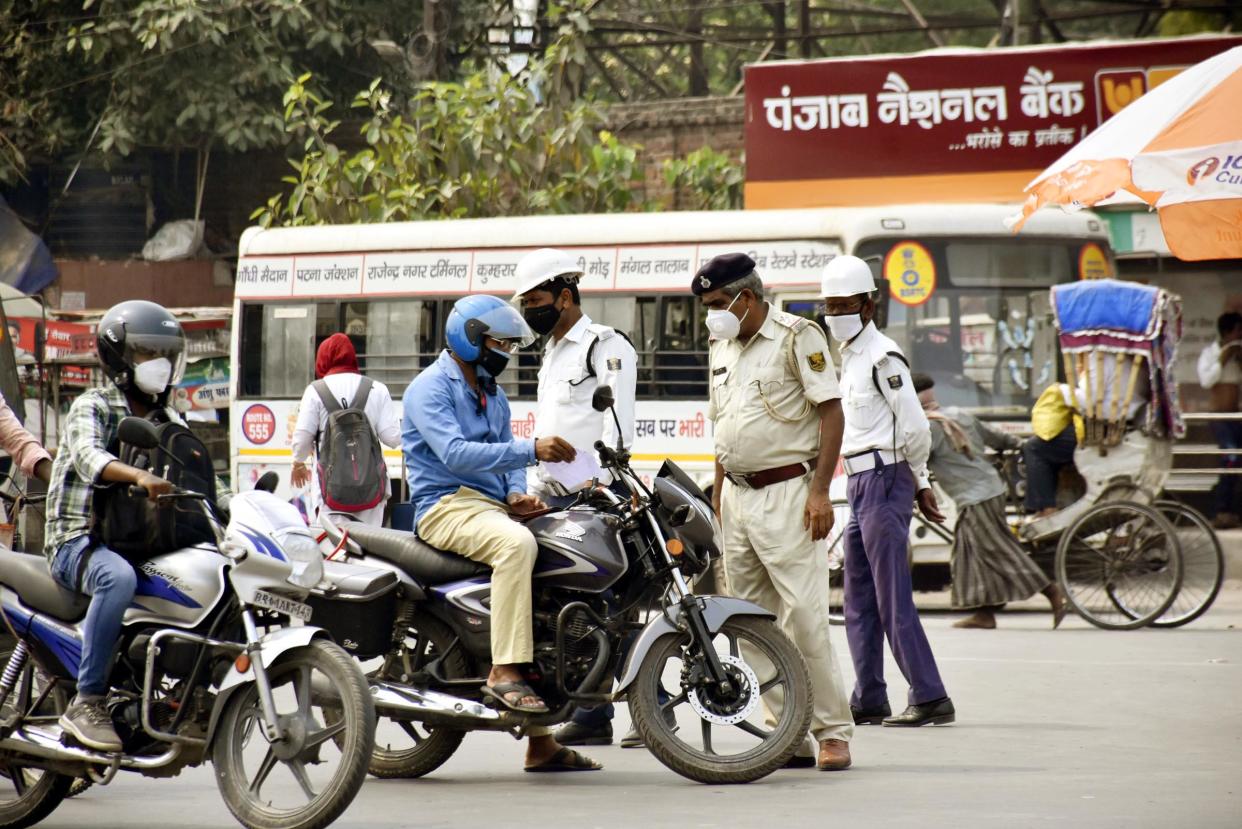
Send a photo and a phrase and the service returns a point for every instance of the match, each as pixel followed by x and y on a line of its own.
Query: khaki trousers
pixel 473 525
pixel 772 561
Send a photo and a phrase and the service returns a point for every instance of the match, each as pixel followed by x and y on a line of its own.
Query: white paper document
pixel 576 473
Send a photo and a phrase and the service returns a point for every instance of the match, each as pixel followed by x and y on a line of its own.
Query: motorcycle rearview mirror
pixel 138 432
pixel 602 400
pixel 267 482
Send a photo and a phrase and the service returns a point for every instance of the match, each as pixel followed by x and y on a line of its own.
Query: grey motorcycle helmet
pixel 138 328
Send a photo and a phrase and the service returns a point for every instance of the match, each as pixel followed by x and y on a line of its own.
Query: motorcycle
pixel 718 693
pixel 193 680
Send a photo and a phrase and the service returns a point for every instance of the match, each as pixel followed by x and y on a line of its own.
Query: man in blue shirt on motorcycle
pixel 467 475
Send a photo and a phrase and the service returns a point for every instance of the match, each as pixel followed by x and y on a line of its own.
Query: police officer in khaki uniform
pixel 776 410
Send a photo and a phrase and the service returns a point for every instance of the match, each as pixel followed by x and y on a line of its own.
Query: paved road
pixel 1076 727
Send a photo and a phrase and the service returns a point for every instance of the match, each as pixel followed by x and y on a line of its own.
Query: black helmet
pixel 139 328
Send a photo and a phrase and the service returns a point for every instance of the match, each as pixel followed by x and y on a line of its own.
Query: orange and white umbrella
pixel 1178 148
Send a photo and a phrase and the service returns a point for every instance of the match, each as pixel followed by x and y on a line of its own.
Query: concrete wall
pixel 672 129
pixel 186 284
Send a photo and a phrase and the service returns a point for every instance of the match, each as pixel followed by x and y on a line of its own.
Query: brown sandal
pixel 566 760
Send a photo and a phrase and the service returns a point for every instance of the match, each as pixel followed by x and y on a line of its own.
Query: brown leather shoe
pixel 834 755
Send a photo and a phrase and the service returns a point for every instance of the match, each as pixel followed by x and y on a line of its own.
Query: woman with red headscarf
pixel 336 363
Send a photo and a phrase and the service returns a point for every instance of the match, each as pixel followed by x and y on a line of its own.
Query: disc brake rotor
pixel 705 703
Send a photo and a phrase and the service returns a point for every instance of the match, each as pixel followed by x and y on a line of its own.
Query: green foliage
pixel 489 145
pixel 1179 23
pixel 705 180
pixel 113 75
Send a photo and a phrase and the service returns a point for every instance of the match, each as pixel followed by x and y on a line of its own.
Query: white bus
pixel 957 277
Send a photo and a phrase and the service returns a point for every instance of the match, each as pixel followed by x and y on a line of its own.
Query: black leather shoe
pixel 799 761
pixel 573 734
pixel 937 712
pixel 870 716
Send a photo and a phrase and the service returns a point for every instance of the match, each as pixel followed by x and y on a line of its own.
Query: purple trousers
pixel 879 598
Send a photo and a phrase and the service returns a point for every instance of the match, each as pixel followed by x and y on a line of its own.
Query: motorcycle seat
pixel 30 577
pixel 420 560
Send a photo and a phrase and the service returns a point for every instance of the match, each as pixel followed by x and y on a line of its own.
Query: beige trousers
pixel 772 561
pixel 473 525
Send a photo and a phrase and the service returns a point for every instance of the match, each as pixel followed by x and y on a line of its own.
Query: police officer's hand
pixel 817 516
pixel 521 504
pixel 154 485
pixel 554 450
pixel 301 475
pixel 927 505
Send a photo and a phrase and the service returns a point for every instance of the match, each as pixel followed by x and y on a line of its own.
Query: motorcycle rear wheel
pixel 769 658
pixel 426 640
pixel 29 795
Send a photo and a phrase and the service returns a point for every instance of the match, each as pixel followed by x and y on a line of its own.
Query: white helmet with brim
pixel 544 265
pixel 846 276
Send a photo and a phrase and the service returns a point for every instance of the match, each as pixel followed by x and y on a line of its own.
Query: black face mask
pixel 492 362
pixel 542 318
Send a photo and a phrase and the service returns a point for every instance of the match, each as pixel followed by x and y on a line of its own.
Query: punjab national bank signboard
pixel 949 125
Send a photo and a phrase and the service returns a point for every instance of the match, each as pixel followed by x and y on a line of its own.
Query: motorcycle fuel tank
pixel 178 588
pixel 579 549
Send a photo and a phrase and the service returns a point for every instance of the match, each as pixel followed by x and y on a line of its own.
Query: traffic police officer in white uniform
pixel 884 452
pixel 776 410
pixel 579 356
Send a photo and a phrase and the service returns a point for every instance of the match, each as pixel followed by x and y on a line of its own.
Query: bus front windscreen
pixel 977 320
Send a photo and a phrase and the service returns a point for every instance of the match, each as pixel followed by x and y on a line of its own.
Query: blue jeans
pixel 110 581
pixel 1228 436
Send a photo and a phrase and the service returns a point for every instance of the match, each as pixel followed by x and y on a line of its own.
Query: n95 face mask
pixel 152 376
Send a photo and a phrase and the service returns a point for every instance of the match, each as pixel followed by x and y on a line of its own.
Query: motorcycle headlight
pixel 305 559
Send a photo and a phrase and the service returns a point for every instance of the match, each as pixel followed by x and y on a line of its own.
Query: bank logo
pixel 1201 170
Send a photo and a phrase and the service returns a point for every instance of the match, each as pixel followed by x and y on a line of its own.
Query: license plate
pixel 280 604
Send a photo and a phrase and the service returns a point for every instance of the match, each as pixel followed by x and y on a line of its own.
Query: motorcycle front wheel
pixel 306 780
pixel 717 737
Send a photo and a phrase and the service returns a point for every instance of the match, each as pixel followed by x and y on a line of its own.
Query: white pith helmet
pixel 540 266
pixel 846 276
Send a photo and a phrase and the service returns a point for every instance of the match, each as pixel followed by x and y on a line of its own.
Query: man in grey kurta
pixel 988 564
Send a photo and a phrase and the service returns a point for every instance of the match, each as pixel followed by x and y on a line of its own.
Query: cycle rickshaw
pixel 1124 556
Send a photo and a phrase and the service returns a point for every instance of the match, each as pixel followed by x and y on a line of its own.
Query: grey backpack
pixel 352 475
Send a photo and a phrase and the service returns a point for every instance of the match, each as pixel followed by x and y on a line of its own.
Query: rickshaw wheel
pixel 1120 565
pixel 1203 564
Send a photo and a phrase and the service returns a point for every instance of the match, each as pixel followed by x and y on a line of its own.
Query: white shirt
pixel 313 417
pixel 869 414
pixel 565 390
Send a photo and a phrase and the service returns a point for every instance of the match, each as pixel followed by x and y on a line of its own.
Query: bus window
pixel 645 336
pixel 277 354
pixel 395 338
pixel 1016 263
pixel 975 334
pixel 680 359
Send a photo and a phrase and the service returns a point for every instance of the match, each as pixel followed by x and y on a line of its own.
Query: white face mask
pixel 722 324
pixel 152 376
pixel 844 327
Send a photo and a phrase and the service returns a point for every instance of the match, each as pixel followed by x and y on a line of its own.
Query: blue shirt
pixel 450 441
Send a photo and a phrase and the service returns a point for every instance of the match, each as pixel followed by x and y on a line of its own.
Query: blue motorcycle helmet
pixel 475 317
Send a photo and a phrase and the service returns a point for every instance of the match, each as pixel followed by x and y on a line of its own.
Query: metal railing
pixel 1197 449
